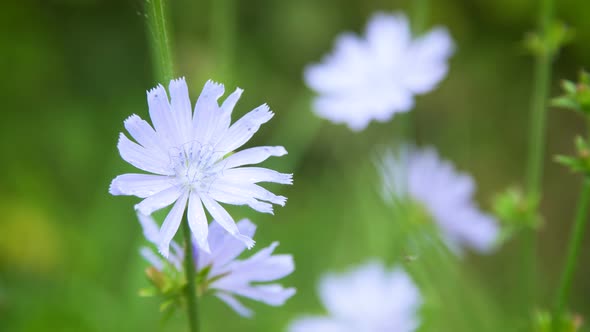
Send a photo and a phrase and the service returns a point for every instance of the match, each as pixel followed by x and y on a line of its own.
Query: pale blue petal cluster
pixel 373 78
pixel 444 192
pixel 369 298
pixel 188 155
pixel 228 276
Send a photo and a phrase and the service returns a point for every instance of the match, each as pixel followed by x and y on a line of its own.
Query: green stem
pixel 159 40
pixel 420 12
pixel 536 150
pixel 189 269
pixel 164 69
pixel 418 21
pixel 575 243
pixel 223 30
pixel 542 77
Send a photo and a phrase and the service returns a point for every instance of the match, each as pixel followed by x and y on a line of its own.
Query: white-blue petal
pixel 235 196
pixel 140 185
pixel 198 221
pixel 143 158
pixel 225 220
pixel 207 113
pixel 251 175
pixel 271 294
pixel 162 117
pixel 253 156
pixel 225 116
pixel 233 303
pixel 151 257
pixel 159 200
pixel 263 266
pixel 145 135
pixel 429 64
pixel 181 109
pixel 171 225
pixel 149 227
pixel 224 246
pixel 241 131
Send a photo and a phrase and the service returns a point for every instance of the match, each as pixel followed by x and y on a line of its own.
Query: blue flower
pixel 190 156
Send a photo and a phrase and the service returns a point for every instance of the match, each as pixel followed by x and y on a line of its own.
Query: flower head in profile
pixel 220 272
pixel 446 195
pixel 369 298
pixel 190 156
pixel 374 77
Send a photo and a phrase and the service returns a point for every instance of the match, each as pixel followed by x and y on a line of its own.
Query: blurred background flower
pixel 420 179
pixel 218 271
pixel 377 75
pixel 367 298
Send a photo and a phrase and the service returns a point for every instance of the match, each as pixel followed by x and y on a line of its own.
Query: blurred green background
pixel 75 69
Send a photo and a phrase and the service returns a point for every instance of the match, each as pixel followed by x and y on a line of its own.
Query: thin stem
pixel 536 150
pixel 575 243
pixel 542 77
pixel 418 21
pixel 159 40
pixel 164 69
pixel 420 12
pixel 189 269
pixel 223 30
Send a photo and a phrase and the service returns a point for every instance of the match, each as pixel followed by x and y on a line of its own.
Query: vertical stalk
pixel 542 77
pixel 164 69
pixel 223 30
pixel 159 40
pixel 536 149
pixel 575 243
pixel 189 268
pixel 420 12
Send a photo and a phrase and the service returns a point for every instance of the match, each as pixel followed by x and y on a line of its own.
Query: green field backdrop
pixel 73 70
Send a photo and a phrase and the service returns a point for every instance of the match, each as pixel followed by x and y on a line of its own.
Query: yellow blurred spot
pixel 28 239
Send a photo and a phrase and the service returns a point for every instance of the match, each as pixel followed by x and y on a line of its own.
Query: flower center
pixel 194 165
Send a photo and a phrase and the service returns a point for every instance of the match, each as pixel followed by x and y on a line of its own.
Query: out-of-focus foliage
pixel 569 323
pixel 517 212
pixel 73 70
pixel 168 287
pixel 576 95
pixel 557 35
pixel 581 161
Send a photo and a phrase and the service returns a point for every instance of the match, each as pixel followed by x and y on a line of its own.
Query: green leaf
pixel 568 86
pixel 167 305
pixel 167 314
pixel 565 160
pixel 576 96
pixel 543 322
pixel 564 102
pixel 580 163
pixel 550 41
pixel 516 212
pixel 584 77
pixel 148 292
